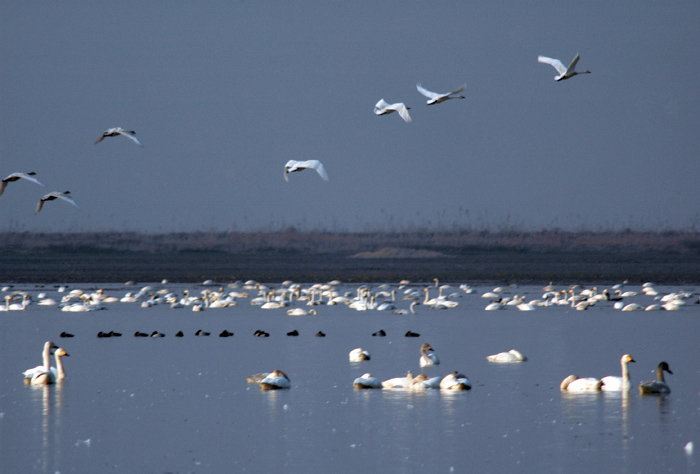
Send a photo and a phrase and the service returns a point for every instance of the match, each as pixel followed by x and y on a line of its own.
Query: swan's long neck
pixel 660 374
pixel 427 295
pixel 60 373
pixel 47 357
pixel 625 373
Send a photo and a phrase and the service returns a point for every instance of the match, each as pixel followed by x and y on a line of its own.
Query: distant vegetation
pixel 292 240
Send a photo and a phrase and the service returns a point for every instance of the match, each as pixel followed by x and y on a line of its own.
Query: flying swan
pixel 294 166
pixel 116 131
pixel 564 72
pixel 383 108
pixel 436 98
pixel 15 177
pixel 55 195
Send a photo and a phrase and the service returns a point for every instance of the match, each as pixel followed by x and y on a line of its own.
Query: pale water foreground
pixel 159 405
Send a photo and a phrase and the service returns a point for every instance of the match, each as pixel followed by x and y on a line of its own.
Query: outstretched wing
pixel 572 66
pixel 429 94
pixel 67 199
pixel 403 112
pixel 131 134
pixel 561 69
pixel 464 86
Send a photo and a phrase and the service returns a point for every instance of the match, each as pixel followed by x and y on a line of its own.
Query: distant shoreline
pixel 564 258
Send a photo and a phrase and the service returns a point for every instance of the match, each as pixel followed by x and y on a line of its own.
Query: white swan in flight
pixel 116 131
pixel 383 108
pixel 15 177
pixel 293 166
pixel 55 195
pixel 436 98
pixel 564 72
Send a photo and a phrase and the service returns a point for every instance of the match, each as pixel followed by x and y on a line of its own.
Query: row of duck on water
pixel 45 374
pixel 365 298
pixel 224 333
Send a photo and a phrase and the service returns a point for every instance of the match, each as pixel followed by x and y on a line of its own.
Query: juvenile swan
pixel 510 356
pixel 614 383
pixel 659 385
pixel 428 356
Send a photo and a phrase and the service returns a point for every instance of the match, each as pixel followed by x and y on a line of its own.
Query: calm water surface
pixel 152 405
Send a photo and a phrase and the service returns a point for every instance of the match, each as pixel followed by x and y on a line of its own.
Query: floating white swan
pixel 383 108
pixel 658 386
pixel 436 98
pixel 367 381
pixel 455 381
pixel 428 356
pixel 45 366
pixel 614 383
pixel 15 177
pixel 510 356
pixel 54 374
pixel 275 380
pixel 398 382
pixel 422 382
pixel 294 166
pixel 358 355
pixel 55 195
pixel 116 131
pixel 564 72
pixel 575 384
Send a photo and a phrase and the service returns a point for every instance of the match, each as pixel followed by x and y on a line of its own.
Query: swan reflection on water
pixel 49 400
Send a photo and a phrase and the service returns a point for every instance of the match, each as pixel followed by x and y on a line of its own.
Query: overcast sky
pixel 223 94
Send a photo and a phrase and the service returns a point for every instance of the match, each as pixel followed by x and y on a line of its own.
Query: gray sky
pixel 223 95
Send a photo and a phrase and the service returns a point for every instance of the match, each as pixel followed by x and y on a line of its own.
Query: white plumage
pixel 55 195
pixel 116 131
pixel 17 176
pixel 293 166
pixel 382 108
pixel 564 72
pixel 436 98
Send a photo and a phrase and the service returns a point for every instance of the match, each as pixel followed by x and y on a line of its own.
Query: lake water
pixel 167 405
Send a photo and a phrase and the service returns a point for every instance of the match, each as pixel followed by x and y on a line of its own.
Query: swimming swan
pixel 455 381
pixel 115 132
pixel 435 98
pixel 564 72
pixel 398 382
pixel 45 366
pixel 383 108
pixel 358 355
pixel 54 374
pixel 427 356
pixel 613 383
pixel 15 177
pixel 294 166
pixel 659 385
pixel 510 356
pixel 575 384
pixel 55 195
pixel 366 382
pixel 274 381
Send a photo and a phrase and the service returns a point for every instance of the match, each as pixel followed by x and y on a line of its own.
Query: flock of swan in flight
pixel 291 294
pixel 381 108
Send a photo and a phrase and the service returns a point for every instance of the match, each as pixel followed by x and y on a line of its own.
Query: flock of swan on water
pixel 291 297
pixel 381 108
